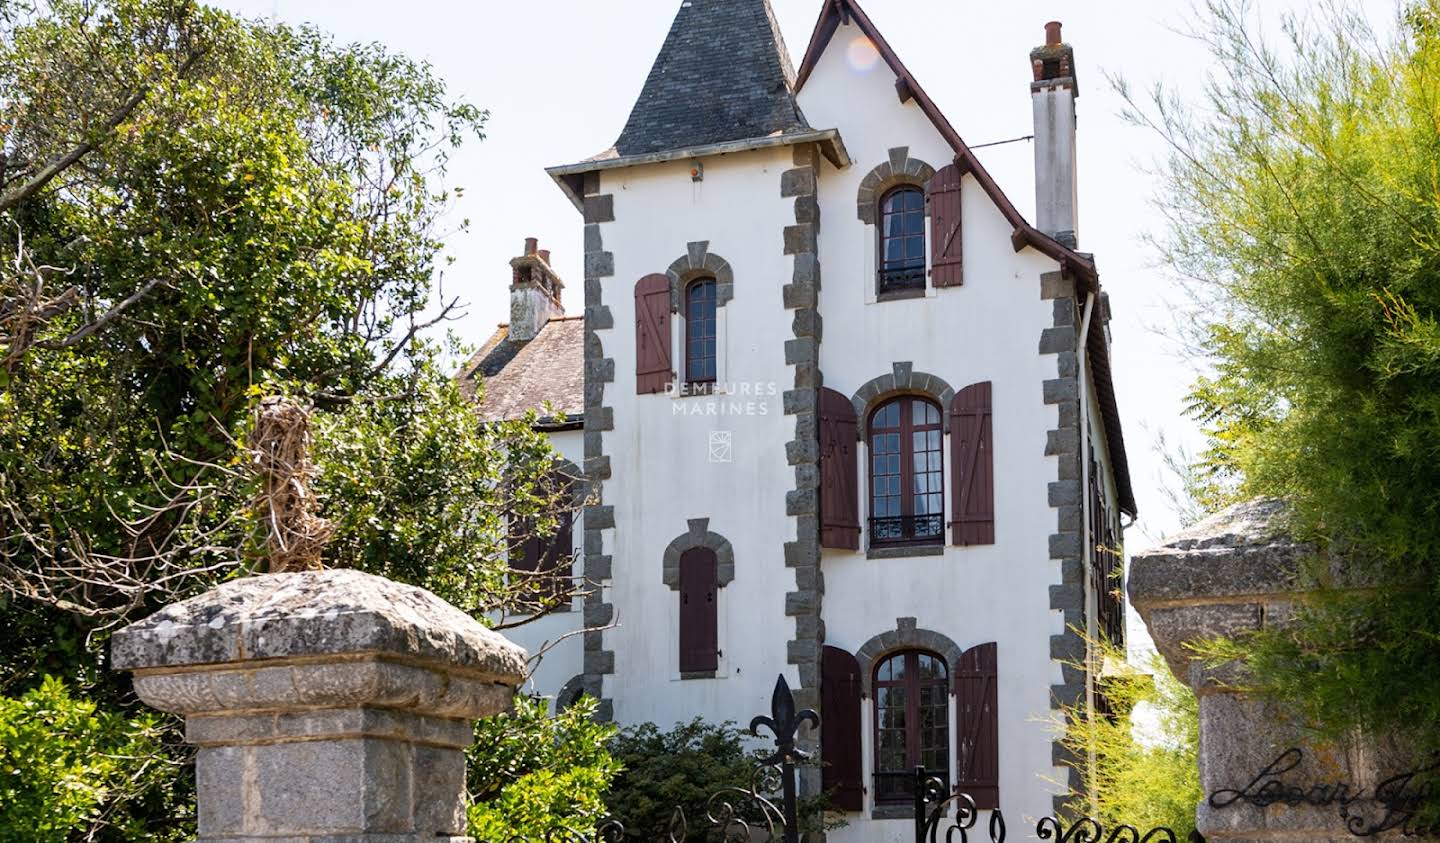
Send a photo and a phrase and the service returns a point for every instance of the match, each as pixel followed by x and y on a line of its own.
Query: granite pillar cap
pixel 1241 551
pixel 1217 579
pixel 311 615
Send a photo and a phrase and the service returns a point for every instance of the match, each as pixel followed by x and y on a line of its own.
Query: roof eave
pixel 570 177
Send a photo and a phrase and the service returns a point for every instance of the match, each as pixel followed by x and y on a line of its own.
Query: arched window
pixel 700 356
pixel 912 722
pixel 907 474
pixel 902 239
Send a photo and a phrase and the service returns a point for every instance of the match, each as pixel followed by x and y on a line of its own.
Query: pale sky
pixel 559 78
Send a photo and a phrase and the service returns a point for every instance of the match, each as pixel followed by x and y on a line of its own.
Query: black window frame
pixel 907 275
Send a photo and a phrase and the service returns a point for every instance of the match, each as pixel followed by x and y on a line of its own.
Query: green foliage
pixel 1303 203
pixel 1141 764
pixel 533 775
pixel 65 765
pixel 196 212
pixel 684 767
pixel 680 767
pixel 439 520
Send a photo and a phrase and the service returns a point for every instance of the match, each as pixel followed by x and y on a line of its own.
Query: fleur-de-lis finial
pixel 783 723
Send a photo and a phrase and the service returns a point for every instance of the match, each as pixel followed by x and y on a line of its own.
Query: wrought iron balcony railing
pixel 902 278
pixel 907 528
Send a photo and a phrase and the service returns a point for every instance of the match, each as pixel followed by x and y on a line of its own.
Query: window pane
pixel 700 340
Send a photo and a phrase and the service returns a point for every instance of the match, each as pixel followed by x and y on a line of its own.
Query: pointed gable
pixel 837 13
pixel 722 75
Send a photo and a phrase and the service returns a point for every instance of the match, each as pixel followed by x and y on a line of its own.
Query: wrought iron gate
pixel 768 809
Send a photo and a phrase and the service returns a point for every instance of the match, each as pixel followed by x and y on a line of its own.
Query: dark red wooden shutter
pixel 525 548
pixel 699 636
pixel 947 264
pixel 559 560
pixel 971 450
pixel 653 370
pixel 843 775
pixel 839 489
pixel 977 718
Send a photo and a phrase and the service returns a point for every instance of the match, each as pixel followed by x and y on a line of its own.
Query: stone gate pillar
pixel 328 706
pixel 1233 573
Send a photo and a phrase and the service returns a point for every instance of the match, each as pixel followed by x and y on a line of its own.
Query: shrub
pixel 1139 760
pixel 532 775
pixel 69 770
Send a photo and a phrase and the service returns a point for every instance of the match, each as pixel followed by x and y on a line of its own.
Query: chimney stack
pixel 534 292
pixel 1052 96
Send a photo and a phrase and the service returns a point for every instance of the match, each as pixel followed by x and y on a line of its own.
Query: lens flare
pixel 862 53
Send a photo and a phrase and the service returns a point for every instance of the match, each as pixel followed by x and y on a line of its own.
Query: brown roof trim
pixel 1023 234
pixel 832 15
pixel 1098 355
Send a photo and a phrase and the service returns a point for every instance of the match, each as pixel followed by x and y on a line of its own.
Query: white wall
pixel 987 330
pixel 660 448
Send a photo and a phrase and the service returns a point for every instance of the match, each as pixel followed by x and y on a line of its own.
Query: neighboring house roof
pixel 723 75
pixel 836 12
pixel 513 378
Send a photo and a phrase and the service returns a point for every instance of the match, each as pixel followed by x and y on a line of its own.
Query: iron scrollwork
pixel 1089 830
pixel 933 802
pixel 746 814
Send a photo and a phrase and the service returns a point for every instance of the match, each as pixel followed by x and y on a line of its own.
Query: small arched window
pixel 700 355
pixel 902 239
pixel 912 722
pixel 907 473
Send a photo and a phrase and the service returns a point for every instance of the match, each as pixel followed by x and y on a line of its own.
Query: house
pixel 902 487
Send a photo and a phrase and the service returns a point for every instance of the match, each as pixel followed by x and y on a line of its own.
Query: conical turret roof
pixel 722 75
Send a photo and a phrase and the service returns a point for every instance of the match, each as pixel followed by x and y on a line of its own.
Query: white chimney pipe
pixel 1052 97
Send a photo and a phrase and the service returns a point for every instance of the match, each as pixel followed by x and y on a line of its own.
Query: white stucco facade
pixel 736 458
pixel 986 330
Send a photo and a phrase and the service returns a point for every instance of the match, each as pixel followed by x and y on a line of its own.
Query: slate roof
pixel 521 376
pixel 723 75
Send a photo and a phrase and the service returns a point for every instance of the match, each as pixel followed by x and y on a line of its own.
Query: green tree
pixel 198 212
pixel 1302 205
pixel 1140 753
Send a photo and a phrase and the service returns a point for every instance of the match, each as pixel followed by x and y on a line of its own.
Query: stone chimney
pixel 1052 96
pixel 534 292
